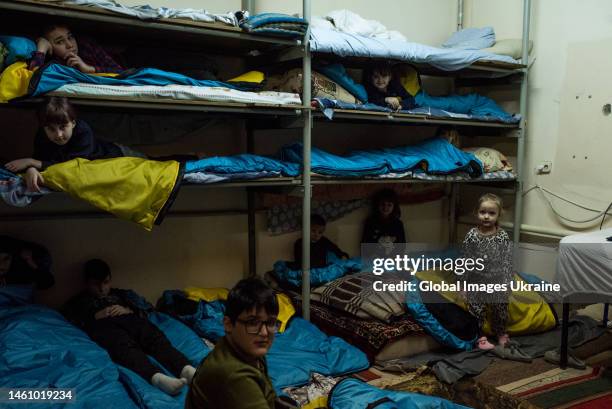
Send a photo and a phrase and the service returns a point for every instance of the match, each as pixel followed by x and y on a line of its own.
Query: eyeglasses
pixel 253 326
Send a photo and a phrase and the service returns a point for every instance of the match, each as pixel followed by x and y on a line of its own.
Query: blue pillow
pixel 19 48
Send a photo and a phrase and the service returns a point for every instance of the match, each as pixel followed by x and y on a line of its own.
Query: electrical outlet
pixel 544 168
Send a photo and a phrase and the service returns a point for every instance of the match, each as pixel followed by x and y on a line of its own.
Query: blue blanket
pixel 351 394
pixel 241 164
pixel 341 44
pixel 303 349
pixel 40 349
pixel 326 163
pixel 284 272
pixel 471 106
pixel 276 24
pixel 52 76
pixel 434 155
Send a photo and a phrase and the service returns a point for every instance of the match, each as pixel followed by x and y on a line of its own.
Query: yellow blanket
pixel 130 188
pixel 14 81
pixel 528 311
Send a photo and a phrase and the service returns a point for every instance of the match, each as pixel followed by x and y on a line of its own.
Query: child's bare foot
pixel 484 344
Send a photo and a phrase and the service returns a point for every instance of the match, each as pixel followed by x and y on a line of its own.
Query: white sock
pixel 187 373
pixel 172 386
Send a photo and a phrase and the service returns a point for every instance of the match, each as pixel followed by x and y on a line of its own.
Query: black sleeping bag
pixel 455 319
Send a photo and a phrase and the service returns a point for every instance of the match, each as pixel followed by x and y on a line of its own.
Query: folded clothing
pixel 275 24
pixel 471 39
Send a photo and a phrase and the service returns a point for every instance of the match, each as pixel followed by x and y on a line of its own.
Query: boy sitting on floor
pixel 59 43
pixel 115 323
pixel 235 375
pixel 320 245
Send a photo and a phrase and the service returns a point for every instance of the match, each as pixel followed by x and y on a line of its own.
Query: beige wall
pixel 568 84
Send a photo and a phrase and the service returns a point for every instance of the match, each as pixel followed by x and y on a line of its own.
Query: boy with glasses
pixel 235 375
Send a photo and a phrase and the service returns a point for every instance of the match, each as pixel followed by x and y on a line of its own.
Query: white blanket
pixel 178 92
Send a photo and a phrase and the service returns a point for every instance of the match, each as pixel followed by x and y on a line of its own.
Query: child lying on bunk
pixel 320 245
pixel 59 43
pixel 62 137
pixel 384 226
pixel 24 263
pixel 385 89
pixel 235 375
pixel 115 323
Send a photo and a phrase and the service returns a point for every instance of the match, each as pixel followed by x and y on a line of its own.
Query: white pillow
pixel 492 160
pixel 510 47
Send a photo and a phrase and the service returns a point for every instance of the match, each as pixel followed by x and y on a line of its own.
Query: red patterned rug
pixel 566 389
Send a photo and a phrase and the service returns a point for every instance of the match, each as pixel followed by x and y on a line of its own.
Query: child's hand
pixel 116 310
pixel 44 46
pixel 28 257
pixel 18 165
pixel 393 103
pixel 75 61
pixel 34 180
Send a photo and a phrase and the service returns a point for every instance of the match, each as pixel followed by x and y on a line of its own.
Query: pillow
pixel 510 47
pixel 322 86
pixel 19 48
pixel 492 160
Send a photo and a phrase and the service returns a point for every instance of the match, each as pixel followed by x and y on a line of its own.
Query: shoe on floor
pixel 554 357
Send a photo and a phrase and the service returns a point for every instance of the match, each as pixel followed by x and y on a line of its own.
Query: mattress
pixel 177 92
pixel 584 267
pixel 350 45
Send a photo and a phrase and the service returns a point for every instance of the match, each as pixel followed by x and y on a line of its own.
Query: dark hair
pixel 317 220
pixel 381 68
pixel 96 269
pixel 50 27
pixel 56 111
pixel 250 293
pixel 386 195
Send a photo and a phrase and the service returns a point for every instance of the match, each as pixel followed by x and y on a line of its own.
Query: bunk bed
pixel 231 39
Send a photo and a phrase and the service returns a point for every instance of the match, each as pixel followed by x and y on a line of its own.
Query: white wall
pixel 568 84
pixel 423 21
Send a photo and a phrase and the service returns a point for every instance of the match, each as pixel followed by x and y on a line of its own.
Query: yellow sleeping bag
pixel 285 307
pixel 528 311
pixel 14 81
pixel 133 189
pixel 409 78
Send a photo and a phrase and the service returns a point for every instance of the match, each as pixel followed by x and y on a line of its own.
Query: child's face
pixel 62 42
pixel 488 213
pixel 316 232
pixel 60 134
pixel 5 262
pixel 99 288
pixel 381 80
pixel 385 208
pixel 240 333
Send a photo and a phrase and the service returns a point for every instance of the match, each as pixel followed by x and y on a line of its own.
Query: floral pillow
pixel 492 160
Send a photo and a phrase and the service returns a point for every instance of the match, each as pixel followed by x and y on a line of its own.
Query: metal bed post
pixel 520 154
pixel 306 183
pixel 459 15
pixel 251 222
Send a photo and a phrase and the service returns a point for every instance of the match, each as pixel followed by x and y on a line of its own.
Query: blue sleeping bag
pixel 242 164
pixel 303 349
pixel 326 163
pixel 40 349
pixel 206 320
pixel 318 276
pixel 474 105
pixel 351 393
pixel 434 156
pixel 52 76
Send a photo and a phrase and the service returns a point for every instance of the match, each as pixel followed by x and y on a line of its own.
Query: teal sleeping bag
pixel 351 393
